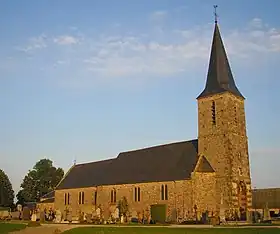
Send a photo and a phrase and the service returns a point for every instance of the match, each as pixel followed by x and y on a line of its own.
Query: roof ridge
pixel 155 146
pixel 98 161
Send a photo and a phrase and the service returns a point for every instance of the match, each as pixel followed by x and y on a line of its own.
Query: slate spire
pixel 219 77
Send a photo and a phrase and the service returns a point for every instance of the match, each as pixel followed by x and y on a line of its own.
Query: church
pixel 207 174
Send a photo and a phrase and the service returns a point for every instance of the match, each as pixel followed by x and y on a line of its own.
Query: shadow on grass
pixel 10 227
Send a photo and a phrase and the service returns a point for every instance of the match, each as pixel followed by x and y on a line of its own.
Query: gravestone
pixel 33 217
pixel 98 213
pixel 266 213
pixel 122 219
pixel 134 214
pixel 26 213
pixel 58 217
pixel 42 216
pixel 116 214
pixel 88 218
pixel 19 207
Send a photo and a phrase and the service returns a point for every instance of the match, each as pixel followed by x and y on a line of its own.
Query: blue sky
pixel 87 79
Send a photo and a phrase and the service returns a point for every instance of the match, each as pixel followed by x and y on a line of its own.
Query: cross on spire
pixel 215 13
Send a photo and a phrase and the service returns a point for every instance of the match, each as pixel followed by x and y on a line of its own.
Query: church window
pixel 66 199
pixel 137 194
pixel 164 192
pixel 213 113
pixel 81 198
pixel 95 197
pixel 113 196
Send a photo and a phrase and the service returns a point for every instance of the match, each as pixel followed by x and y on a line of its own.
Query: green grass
pixel 162 230
pixel 9 227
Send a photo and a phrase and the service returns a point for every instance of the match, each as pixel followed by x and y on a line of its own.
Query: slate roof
pixel 219 77
pixel 48 195
pixel 167 162
pixel 48 200
pixel 269 197
pixel 204 166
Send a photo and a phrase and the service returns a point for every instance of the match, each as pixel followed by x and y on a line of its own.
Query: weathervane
pixel 215 13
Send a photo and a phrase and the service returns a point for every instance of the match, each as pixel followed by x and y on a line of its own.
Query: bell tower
pixel 222 136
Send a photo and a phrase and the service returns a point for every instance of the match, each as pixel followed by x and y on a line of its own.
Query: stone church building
pixel 210 173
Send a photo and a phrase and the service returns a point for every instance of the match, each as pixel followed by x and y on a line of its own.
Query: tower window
pixel 213 113
pixel 235 115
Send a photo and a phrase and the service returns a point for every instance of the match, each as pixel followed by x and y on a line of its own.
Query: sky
pixel 84 80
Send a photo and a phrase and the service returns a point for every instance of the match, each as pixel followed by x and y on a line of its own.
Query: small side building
pixel 46 201
pixel 267 198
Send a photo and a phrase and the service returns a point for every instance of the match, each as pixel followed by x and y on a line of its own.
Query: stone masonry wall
pixel 225 144
pixel 204 191
pixel 179 197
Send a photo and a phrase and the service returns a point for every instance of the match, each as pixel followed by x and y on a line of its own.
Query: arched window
pixel 66 199
pixel 81 198
pixel 164 192
pixel 137 194
pixel 113 196
pixel 95 197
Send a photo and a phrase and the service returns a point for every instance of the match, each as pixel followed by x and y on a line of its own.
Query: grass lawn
pixel 9 227
pixel 162 230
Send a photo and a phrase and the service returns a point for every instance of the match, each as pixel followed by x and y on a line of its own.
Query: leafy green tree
pixel 6 191
pixel 39 181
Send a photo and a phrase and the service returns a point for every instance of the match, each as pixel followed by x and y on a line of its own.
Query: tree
pixel 6 191
pixel 39 181
pixel 123 207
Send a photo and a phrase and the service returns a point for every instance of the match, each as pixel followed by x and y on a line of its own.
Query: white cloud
pixel 144 54
pixel 66 40
pixel 256 23
pixel 158 15
pixel 35 43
